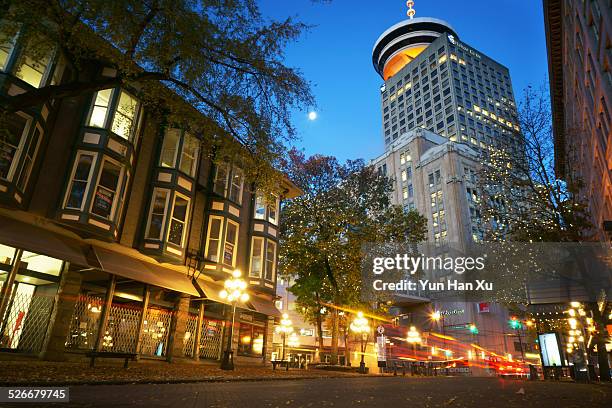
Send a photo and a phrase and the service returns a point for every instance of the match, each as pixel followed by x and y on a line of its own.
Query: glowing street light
pixel 413 337
pixel 234 291
pixel 361 327
pixel 284 329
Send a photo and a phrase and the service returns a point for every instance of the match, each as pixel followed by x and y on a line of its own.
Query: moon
pixel 312 115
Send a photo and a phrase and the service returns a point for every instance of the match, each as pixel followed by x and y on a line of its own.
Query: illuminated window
pixel 189 155
pixel 100 108
pixel 168 156
pixel 270 260
pixel 157 215
pixel 221 175
pixel 125 116
pixel 260 207
pixel 273 210
pixel 7 42
pixel 35 61
pixel 442 59
pixel 404 177
pixel 178 220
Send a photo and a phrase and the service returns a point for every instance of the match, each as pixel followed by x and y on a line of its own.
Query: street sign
pixel 380 329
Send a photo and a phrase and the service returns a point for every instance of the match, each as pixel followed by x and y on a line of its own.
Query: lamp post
pixel 361 327
pixel 234 292
pixel 284 329
pixel 437 316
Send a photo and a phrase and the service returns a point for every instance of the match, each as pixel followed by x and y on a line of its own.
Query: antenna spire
pixel 411 12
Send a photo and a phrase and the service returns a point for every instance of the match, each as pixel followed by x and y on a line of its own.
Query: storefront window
pixel 11 140
pixel 251 340
pixel 41 263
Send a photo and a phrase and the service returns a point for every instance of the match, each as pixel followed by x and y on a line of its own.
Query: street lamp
pixel 361 327
pixel 234 292
pixel 284 329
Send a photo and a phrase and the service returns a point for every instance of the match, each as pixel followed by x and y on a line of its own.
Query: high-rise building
pixel 445 107
pixel 580 58
pixel 435 81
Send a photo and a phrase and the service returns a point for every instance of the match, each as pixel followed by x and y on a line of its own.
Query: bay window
pixel 263 206
pixel 7 42
pixel 229 182
pixel 12 141
pixel 28 160
pixel 178 220
pixel 180 152
pixel 107 189
pixel 256 257
pixel 270 260
pixel 125 112
pixel 213 238
pixel 157 214
pixel 231 242
pixel 172 137
pixel 81 175
pixel 189 155
pixel 35 61
pixel 263 258
pixel 125 116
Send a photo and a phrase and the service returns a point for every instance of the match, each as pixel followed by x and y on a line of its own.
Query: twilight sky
pixel 335 55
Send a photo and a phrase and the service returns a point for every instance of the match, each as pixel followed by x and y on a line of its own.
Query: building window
pixel 81 175
pixel 237 182
pixel 178 220
pixel 221 175
pixel 256 257
pixel 189 154
pixel 189 151
pixel 270 260
pixel 273 211
pixel 231 241
pixel 229 182
pixel 105 196
pixel 251 340
pixel 125 114
pixel 7 42
pixel 260 207
pixel 16 128
pixel 157 216
pixel 99 110
pixel 28 162
pixel 35 61
pixel 213 239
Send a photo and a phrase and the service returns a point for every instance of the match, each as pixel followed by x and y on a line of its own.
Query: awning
pixel 32 238
pixel 264 306
pixel 142 271
pixel 211 290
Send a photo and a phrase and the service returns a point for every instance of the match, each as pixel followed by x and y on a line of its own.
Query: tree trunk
pixel 335 336
pixel 319 329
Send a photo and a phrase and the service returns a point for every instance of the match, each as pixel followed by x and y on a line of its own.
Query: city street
pixel 349 392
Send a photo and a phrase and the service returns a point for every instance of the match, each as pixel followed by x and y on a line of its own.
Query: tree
pixel 523 200
pixel 344 207
pixel 216 66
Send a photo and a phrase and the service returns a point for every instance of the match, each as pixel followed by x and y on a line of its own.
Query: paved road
pixel 347 392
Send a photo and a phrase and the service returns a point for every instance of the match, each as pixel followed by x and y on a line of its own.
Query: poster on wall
pixel 550 350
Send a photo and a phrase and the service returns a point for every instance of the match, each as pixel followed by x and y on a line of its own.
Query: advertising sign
pixel 550 350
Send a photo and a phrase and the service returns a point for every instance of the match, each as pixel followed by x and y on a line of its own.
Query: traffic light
pixel 515 323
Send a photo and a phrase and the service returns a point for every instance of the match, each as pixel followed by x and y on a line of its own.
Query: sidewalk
pixel 35 372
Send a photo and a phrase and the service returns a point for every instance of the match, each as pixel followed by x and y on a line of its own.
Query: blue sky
pixel 335 56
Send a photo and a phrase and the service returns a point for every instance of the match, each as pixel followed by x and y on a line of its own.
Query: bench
pixel 280 363
pixel 110 354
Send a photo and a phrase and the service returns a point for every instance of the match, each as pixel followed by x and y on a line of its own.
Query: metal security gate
pixel 85 323
pixel 121 333
pixel 155 332
pixel 24 325
pixel 212 335
pixel 190 335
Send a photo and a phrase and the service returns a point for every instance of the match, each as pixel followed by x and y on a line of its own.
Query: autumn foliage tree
pixel 223 58
pixel 344 207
